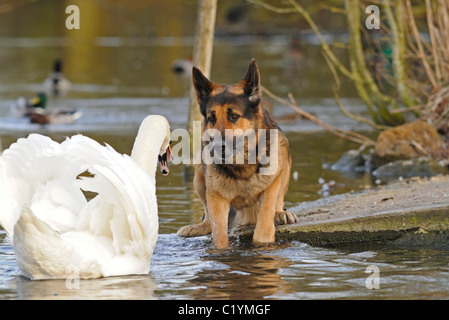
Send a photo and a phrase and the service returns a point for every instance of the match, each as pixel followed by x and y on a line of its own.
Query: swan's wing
pixel 125 209
pixel 36 172
pixel 42 253
pixel 12 191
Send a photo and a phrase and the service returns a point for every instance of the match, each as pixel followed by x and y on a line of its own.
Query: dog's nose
pixel 222 149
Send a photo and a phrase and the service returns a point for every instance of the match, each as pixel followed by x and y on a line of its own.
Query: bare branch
pixel 344 134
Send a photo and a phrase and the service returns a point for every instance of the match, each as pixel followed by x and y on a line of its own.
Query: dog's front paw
pixel 195 230
pixel 285 217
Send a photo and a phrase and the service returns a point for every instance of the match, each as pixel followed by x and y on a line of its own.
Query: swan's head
pixel 165 155
pixel 153 140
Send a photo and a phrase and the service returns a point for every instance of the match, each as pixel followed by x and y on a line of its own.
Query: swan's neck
pixel 147 147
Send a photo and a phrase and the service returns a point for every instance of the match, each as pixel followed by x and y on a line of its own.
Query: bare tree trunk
pixel 202 50
pixel 366 86
pixel 396 22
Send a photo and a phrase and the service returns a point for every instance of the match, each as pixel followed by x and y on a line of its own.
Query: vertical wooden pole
pixel 202 51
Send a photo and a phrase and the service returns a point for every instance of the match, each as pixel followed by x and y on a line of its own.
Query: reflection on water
pixel 132 287
pixel 192 269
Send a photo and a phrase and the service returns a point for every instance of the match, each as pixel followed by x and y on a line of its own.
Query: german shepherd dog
pixel 238 194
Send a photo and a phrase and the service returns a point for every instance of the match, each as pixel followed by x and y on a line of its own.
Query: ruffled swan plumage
pixel 54 228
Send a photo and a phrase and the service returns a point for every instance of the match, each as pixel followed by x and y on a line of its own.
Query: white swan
pixel 55 231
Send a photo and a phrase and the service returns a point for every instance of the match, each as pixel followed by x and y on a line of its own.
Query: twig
pixel 299 9
pixel 419 148
pixel 432 33
pixel 408 109
pixel 421 54
pixel 345 134
pixel 271 8
pixel 358 118
pixel 342 108
pixel 334 72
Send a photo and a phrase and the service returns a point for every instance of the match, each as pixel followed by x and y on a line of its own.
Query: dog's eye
pixel 234 117
pixel 211 119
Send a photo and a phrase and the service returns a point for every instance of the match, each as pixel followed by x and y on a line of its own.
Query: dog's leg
pixel 196 230
pixel 282 216
pixel 218 208
pixel 264 231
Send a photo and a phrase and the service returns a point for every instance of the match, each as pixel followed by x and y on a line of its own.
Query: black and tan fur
pixel 255 199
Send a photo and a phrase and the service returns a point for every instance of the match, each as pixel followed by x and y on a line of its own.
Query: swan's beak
pixel 164 160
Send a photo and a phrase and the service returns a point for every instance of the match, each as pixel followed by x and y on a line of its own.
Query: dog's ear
pixel 202 85
pixel 251 83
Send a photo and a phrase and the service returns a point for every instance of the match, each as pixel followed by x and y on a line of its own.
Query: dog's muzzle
pixel 223 149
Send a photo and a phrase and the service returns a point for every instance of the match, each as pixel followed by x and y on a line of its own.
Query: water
pixel 121 71
pixel 191 269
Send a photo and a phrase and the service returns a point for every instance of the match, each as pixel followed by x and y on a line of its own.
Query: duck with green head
pixel 23 107
pixel 35 109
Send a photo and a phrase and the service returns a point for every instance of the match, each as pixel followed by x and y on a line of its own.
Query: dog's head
pixel 229 107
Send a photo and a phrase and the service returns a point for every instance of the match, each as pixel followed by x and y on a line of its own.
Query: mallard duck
pixel 23 107
pixel 56 83
pixel 35 110
pixel 59 116
pixel 56 231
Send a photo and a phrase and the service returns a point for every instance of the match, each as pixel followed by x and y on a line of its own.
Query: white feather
pixel 51 225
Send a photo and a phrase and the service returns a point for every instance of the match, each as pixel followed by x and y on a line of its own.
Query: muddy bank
pixel 414 149
pixel 412 212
